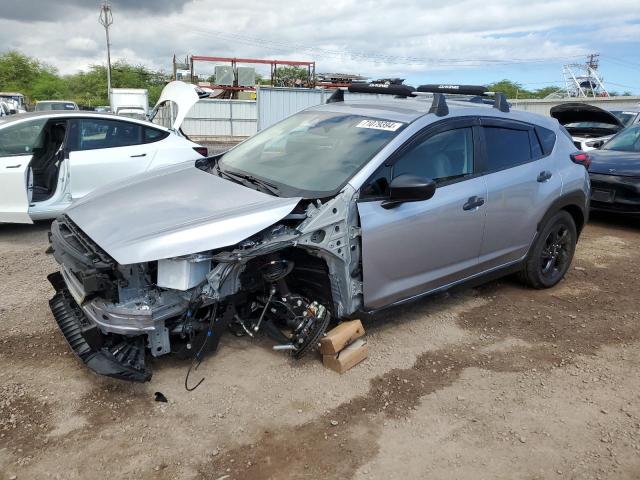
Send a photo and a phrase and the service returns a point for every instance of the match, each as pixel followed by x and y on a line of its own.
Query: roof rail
pixel 439 105
pixel 337 96
pixel 501 102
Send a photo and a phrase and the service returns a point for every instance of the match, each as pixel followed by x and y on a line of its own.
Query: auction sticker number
pixel 379 125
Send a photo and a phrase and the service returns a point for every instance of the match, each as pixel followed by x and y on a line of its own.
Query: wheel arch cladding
pixel 574 203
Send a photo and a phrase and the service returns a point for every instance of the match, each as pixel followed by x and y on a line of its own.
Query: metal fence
pixel 542 107
pixel 275 103
pixel 211 118
pixel 216 120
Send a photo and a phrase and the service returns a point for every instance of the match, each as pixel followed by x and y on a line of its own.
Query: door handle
pixel 473 203
pixel 140 155
pixel 544 175
pixel 14 166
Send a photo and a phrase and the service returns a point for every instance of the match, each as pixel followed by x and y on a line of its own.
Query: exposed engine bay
pixel 288 282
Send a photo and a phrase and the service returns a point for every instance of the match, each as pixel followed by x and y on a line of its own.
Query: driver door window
pixel 441 157
pixel 444 157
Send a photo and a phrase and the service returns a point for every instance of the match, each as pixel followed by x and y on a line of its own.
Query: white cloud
pixel 374 38
pixel 82 44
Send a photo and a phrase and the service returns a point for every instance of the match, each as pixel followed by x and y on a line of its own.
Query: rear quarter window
pixel 547 139
pixel 154 135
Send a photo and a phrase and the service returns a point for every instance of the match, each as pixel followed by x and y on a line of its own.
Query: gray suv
pixel 346 207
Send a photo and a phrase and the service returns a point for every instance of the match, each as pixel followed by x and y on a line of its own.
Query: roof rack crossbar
pixel 384 87
pixel 439 105
pixel 337 96
pixel 500 102
pixel 454 89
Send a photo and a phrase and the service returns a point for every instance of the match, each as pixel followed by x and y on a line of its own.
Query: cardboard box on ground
pixel 342 348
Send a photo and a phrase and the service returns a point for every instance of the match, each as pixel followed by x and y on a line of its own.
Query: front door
pixel 105 151
pixel 17 144
pixel 417 247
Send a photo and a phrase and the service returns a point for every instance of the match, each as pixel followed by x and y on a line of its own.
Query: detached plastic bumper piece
pixel 122 359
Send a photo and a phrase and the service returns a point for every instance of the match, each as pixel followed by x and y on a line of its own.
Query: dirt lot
pixel 498 382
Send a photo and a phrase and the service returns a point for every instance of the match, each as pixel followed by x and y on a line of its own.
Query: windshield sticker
pixel 379 125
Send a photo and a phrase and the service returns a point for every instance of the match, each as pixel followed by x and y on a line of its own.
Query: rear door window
pixel 506 147
pixel 100 133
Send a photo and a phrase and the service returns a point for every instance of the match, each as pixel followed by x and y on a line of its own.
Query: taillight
pixel 202 151
pixel 581 158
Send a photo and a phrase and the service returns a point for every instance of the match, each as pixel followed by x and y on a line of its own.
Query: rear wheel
pixel 552 252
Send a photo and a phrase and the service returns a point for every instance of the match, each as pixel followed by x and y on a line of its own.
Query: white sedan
pixel 50 159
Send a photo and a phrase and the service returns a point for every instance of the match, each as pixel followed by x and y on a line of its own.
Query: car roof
pixel 55 101
pixel 77 113
pixel 407 110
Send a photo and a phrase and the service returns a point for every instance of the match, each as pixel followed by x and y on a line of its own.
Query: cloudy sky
pixel 463 41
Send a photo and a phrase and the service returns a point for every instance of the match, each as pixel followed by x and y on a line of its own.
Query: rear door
pixel 420 246
pixel 17 143
pixel 522 182
pixel 105 151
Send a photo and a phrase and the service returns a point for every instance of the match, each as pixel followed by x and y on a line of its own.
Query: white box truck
pixel 130 102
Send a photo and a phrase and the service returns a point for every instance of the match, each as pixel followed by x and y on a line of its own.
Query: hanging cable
pixel 197 358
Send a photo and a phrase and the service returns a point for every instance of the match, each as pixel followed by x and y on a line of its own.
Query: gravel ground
pixel 496 382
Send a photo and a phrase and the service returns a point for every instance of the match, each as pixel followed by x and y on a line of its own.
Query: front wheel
pixel 552 252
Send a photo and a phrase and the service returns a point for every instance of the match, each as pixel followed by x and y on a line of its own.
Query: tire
pixel 551 253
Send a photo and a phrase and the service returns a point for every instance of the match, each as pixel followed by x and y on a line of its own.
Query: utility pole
pixel 106 20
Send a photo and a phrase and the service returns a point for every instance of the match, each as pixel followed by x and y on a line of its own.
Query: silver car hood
pixel 174 211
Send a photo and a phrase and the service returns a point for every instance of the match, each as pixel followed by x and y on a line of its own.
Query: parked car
pixel 15 100
pixel 615 173
pixel 341 208
pixel 590 127
pixel 5 109
pixel 50 159
pixel 49 105
pixel 132 112
pixel 628 117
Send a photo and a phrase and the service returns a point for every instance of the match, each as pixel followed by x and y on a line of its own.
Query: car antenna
pixel 500 102
pixel 336 97
pixel 439 105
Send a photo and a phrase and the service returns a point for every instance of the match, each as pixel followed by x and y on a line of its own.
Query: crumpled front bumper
pixel 117 356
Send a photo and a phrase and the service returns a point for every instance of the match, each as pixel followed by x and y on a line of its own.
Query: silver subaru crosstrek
pixel 346 207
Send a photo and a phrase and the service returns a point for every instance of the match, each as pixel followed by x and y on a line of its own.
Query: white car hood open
pixel 183 95
pixel 175 211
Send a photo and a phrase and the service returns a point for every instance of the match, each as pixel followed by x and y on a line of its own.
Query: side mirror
pixel 409 188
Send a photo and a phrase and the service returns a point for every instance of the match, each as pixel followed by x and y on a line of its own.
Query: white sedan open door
pixel 14 198
pixel 17 141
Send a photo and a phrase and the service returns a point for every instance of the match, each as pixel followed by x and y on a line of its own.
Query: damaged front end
pixel 288 281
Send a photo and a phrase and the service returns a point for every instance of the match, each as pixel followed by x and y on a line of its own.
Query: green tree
pixel 287 75
pixel 510 89
pixel 26 75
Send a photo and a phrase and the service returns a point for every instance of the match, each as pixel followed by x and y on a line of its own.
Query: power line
pixel 376 58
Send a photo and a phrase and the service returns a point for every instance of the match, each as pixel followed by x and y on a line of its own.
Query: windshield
pixel 45 106
pixel 627 140
pixel 625 117
pixel 312 152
